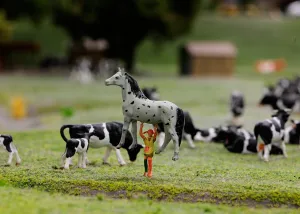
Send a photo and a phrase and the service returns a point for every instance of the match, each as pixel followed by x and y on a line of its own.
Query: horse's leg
pixel 126 124
pixel 175 139
pixel 166 142
pixel 134 134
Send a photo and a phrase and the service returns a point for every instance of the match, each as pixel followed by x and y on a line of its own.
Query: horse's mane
pixel 135 88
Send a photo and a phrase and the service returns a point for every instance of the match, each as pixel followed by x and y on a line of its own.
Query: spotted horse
pixel 137 107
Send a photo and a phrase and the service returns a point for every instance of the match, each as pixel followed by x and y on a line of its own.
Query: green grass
pixel 36 202
pixel 206 174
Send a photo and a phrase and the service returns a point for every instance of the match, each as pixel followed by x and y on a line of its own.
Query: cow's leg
pixel 80 160
pixel 84 158
pixel 166 142
pixel 267 150
pixel 134 134
pixel 106 155
pixel 15 151
pixel 283 147
pixel 189 140
pixel 10 157
pixel 161 138
pixel 120 158
pixel 67 163
pixel 126 124
pixel 63 158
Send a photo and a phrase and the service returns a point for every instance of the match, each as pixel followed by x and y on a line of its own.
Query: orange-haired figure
pixel 149 148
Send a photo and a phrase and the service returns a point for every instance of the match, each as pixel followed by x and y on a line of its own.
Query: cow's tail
pixel 179 124
pixel 62 132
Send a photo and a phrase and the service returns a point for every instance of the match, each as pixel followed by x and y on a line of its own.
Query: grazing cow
pixel 151 93
pixel 190 132
pixel 7 142
pixel 79 146
pixel 237 104
pixel 239 140
pixel 271 132
pixel 137 107
pixel 104 135
pixel 292 133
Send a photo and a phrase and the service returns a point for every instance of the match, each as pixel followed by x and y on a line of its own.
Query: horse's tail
pixel 179 124
pixel 62 132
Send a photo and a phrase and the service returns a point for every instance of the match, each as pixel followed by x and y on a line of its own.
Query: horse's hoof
pixel 175 158
pixel 157 152
pixel 106 163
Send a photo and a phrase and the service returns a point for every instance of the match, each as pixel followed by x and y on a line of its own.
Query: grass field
pixel 206 174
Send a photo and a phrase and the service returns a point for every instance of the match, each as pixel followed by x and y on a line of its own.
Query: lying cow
pixel 239 140
pixel 7 142
pixel 105 135
pixel 292 133
pixel 271 132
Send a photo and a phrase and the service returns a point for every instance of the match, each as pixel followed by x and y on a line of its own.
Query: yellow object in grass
pixel 18 107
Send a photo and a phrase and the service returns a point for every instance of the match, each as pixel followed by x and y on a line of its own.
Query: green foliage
pixel 6 28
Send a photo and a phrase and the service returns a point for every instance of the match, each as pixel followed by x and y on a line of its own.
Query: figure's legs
pixel 124 132
pixel 145 165
pixel 149 167
pixel 134 134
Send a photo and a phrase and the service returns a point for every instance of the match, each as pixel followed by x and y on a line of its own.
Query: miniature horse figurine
pixel 136 107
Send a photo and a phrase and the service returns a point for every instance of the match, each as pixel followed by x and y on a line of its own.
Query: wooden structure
pixel 7 48
pixel 94 50
pixel 209 58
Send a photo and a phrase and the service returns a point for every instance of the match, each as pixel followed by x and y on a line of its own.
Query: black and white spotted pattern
pixel 137 107
pixel 79 146
pixel 7 143
pixel 292 133
pixel 107 134
pixel 271 131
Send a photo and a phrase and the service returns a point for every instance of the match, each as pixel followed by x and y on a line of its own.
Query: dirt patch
pixel 205 197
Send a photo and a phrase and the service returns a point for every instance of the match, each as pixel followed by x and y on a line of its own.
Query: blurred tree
pixel 5 28
pixel 123 23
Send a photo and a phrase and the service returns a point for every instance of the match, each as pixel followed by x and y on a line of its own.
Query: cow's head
pixel 132 153
pixel 282 115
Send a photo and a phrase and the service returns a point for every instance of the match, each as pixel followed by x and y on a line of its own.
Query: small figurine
pixel 149 148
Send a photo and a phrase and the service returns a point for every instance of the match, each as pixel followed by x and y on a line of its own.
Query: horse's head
pixel 117 79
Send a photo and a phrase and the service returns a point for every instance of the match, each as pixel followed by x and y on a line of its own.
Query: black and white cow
pixel 239 140
pixel 151 93
pixel 271 132
pixel 79 146
pixel 7 142
pixel 237 105
pixel 292 133
pixel 290 100
pixel 105 135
